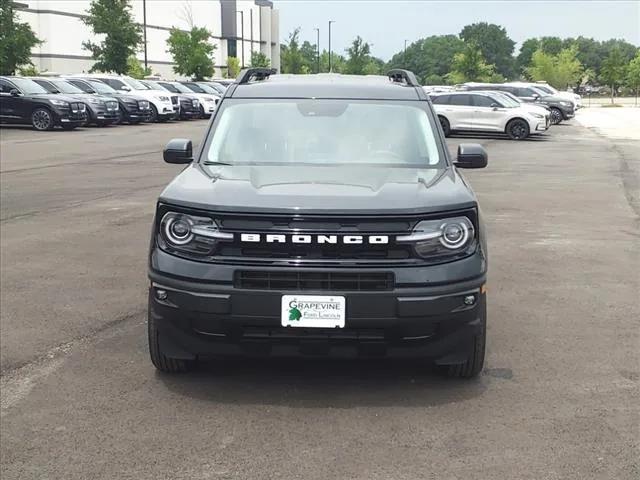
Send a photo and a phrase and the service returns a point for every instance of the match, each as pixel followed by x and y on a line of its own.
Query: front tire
pixel 517 129
pixel 153 118
pixel 556 116
pixel 473 365
pixel 158 358
pixel 42 119
pixel 446 126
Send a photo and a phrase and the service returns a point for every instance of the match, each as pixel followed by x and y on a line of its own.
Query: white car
pixel 548 89
pixel 207 92
pixel 531 107
pixel 207 101
pixel 162 108
pixel 478 111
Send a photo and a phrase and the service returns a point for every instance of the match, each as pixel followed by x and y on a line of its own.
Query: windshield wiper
pixel 216 163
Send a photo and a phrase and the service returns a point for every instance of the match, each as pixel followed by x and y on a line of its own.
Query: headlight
pixel 163 98
pixel 60 103
pixel 143 105
pixel 537 115
pixel 566 104
pixel 442 238
pixel 188 234
pixel 95 101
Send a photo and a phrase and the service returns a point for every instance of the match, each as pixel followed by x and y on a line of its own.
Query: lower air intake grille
pixel 331 281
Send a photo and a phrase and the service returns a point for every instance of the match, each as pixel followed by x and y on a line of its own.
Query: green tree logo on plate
pixel 294 314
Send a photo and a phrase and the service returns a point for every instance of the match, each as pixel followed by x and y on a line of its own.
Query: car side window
pixel 441 99
pixel 112 82
pixel 482 101
pixel 461 100
pixel 525 92
pixel 6 87
pixel 81 85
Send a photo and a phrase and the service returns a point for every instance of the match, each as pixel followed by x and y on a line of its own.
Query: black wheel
pixel 556 116
pixel 154 114
pixel 158 358
pixel 446 127
pixel 517 129
pixel 42 119
pixel 473 366
pixel 202 114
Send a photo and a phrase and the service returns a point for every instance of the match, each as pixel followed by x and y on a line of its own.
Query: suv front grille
pixel 301 280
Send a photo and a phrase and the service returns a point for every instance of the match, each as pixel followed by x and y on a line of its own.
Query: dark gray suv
pixel 322 215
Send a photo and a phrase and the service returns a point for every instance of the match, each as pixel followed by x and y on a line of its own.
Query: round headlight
pixel 454 235
pixel 178 231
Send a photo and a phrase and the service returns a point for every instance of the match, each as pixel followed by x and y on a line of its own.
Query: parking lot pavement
pixel 79 398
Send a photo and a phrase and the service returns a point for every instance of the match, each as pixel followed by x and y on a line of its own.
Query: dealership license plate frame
pixel 313 311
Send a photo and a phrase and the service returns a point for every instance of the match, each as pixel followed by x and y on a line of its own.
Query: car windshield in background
pixel 101 87
pixel 540 92
pixel 135 84
pixel 194 88
pixel 155 86
pixel 178 87
pixel 324 132
pixel 505 100
pixel 208 89
pixel 66 87
pixel 544 89
pixel 28 87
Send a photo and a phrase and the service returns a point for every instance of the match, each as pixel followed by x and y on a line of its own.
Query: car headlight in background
pixel 59 103
pixel 143 105
pixel 189 234
pixel 442 238
pixel 566 104
pixel 537 115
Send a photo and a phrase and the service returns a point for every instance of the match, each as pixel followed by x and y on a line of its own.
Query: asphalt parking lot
pixel 559 398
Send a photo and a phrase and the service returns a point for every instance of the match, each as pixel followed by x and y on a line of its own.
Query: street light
pixel 318 50
pixel 330 22
pixel 241 34
pixel 404 55
pixel 144 22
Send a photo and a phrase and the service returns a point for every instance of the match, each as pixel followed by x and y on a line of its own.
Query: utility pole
pixel 404 55
pixel 241 34
pixel 330 22
pixel 144 30
pixel 318 50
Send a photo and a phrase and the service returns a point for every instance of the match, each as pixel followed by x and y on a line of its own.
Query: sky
pixel 386 24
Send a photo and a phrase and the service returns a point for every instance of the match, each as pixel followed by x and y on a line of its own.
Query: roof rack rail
pixel 259 73
pixel 403 76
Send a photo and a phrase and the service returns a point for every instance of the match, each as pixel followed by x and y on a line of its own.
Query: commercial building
pixel 239 27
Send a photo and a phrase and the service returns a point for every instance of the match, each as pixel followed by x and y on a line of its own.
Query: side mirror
pixel 495 106
pixel 536 96
pixel 14 93
pixel 178 150
pixel 471 155
pixel 90 91
pixel 126 88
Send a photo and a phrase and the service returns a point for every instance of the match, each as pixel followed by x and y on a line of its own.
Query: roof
pixel 326 85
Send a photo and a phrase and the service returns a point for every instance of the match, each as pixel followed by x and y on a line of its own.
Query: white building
pixel 239 27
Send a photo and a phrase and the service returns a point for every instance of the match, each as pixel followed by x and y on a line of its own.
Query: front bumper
pixel 204 318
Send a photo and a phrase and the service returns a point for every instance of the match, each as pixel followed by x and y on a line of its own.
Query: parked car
pixel 208 93
pixel 561 109
pixel 549 90
pixel 486 112
pixel 101 110
pixel 187 106
pixel 133 109
pixel 218 87
pixel 23 101
pixel 162 108
pixel 530 107
pixel 331 224
pixel 207 103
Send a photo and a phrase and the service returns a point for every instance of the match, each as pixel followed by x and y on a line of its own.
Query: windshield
pixel 171 88
pixel 324 132
pixel 28 87
pixel 179 87
pixel 547 89
pixel 65 87
pixel 506 100
pixel 135 84
pixel 539 91
pixel 194 88
pixel 154 85
pixel 101 87
pixel 208 89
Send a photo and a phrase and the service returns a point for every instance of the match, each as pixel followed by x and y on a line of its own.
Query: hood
pixel 319 189
pixel 549 99
pixel 58 96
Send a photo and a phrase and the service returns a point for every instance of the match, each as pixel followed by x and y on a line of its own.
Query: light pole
pixel 404 55
pixel 318 50
pixel 241 34
pixel 330 22
pixel 144 23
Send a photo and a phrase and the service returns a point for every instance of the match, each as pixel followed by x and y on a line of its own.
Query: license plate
pixel 313 311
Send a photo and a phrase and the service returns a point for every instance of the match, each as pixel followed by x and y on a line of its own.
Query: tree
pixel 428 57
pixel 633 75
pixel 291 60
pixel 192 53
pixel 259 59
pixel 338 62
pixel 358 56
pixel 470 66
pixel 551 45
pixel 309 56
pixel 374 66
pixel 122 36
pixel 558 70
pixel 16 40
pixel 494 43
pixel 233 67
pixel 528 48
pixel 613 70
pixel 135 68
